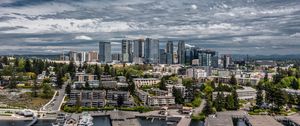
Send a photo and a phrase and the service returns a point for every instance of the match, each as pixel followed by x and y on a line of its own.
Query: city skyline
pixel 229 27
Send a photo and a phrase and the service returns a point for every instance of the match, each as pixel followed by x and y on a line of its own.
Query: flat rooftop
pixel 262 120
pixel 219 121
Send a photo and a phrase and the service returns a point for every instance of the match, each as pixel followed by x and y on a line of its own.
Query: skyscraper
pixel 226 61
pixel 127 51
pixel 162 56
pixel 104 52
pixel 138 50
pixel 170 51
pixel 181 52
pixel 151 51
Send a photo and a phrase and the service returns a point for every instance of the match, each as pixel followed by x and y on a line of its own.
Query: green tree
pixel 5 60
pixel 187 82
pixel 280 98
pixel 230 102
pixel 12 82
pixel 233 81
pixel 208 109
pixel 120 100
pixel 106 69
pixel 68 89
pixel 236 100
pixel 97 71
pixel 162 84
pixel 295 84
pixel 59 79
pixel 219 101
pixel 87 85
pixel 259 95
pixel 178 97
pixel 266 78
pixel 27 66
pixel 34 89
pixel 72 69
pixel 47 91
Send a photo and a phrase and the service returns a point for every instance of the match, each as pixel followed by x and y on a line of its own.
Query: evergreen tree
pixel 120 100
pixel 259 98
pixel 233 81
pixel 72 69
pixel 47 91
pixel 27 66
pixel 208 109
pixel 280 98
pixel 230 102
pixel 12 82
pixel 236 100
pixel 5 60
pixel 259 95
pixel 295 84
pixel 35 89
pixel 266 78
pixel 16 62
pixel 212 84
pixel 97 71
pixel 131 85
pixel 106 69
pixel 162 84
pixel 87 85
pixel 59 79
pixel 178 97
pixel 68 89
pixel 219 102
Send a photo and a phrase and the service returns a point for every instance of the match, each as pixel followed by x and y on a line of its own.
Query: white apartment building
pixel 247 93
pixel 161 100
pixel 139 82
pixel 196 73
pixel 143 96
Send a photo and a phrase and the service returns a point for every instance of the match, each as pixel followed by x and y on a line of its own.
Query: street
pixel 199 109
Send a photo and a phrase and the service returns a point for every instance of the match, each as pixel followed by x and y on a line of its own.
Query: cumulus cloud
pixel 83 37
pixel 194 6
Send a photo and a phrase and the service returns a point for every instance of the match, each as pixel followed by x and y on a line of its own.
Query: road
pixel 200 108
pixel 57 101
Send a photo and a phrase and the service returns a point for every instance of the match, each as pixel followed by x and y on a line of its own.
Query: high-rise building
pixel 93 56
pixel 162 56
pixel 206 57
pixel 83 56
pixel 104 52
pixel 189 55
pixel 170 51
pixel 73 56
pixel 226 61
pixel 138 50
pixel 127 51
pixel 116 57
pixel 181 52
pixel 151 51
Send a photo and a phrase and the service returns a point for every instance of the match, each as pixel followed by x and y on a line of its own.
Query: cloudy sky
pixel 228 26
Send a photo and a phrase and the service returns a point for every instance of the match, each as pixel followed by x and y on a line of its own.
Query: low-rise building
pixel 143 96
pixel 161 100
pixel 113 95
pixel 87 98
pixel 139 82
pixel 246 93
pixel 107 81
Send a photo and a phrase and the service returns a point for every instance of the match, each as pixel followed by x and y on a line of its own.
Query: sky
pixel 252 27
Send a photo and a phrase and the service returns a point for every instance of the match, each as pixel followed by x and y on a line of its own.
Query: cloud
pixel 194 6
pixel 225 26
pixel 83 37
